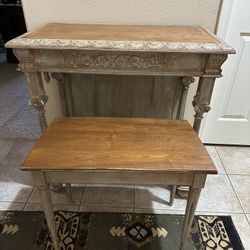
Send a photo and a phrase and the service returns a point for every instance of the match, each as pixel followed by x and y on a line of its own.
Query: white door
pixel 229 120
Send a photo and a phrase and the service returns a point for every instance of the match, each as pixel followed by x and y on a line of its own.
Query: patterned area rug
pixel 106 231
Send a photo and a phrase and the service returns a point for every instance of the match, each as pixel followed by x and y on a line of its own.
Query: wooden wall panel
pixel 124 96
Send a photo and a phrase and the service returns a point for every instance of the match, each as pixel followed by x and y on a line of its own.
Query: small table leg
pixel 69 192
pixel 193 197
pixel 45 196
pixel 172 194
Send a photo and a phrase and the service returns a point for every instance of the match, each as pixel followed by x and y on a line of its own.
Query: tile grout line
pixel 11 203
pixel 222 164
pixel 238 198
pixel 245 174
pixel 15 141
pixel 237 195
pixel 248 219
pixel 152 209
pixel 82 197
pixel 240 174
pixel 134 199
pixel 28 198
pixel 239 201
pixel 228 176
pixel 12 165
pixel 221 212
pixel 57 204
pixel 183 210
pixel 101 205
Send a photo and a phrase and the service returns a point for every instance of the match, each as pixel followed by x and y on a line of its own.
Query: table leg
pixel 38 99
pixel 45 196
pixel 193 197
pixel 69 192
pixel 172 194
pixel 201 102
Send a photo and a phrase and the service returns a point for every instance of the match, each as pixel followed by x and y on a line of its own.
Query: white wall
pixel 162 12
pixel 188 12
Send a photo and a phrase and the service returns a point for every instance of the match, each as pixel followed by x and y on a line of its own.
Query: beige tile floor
pixel 227 193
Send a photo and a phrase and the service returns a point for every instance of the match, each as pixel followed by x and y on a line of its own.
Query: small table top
pixel 122 33
pixel 120 144
pixel 122 37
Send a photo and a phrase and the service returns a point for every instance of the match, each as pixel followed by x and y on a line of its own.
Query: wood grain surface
pixel 125 96
pixel 120 144
pixel 194 34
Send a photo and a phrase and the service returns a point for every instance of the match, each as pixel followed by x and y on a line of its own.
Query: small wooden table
pixel 119 150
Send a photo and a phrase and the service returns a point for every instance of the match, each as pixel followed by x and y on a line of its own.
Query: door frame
pixel 223 19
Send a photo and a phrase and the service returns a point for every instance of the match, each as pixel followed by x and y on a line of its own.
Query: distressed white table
pixel 119 151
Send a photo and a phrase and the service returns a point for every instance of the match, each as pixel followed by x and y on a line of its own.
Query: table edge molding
pixel 183 47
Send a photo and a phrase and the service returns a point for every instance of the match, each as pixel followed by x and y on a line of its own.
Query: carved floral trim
pixel 186 81
pixel 28 43
pixel 200 108
pixel 39 102
pixel 117 61
pixel 214 64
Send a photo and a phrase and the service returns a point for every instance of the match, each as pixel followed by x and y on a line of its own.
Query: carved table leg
pixel 65 92
pixel 201 104
pixel 186 81
pixel 38 100
pixel 202 99
pixel 38 97
pixel 45 196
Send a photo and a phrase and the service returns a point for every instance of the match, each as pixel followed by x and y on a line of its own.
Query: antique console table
pixel 121 70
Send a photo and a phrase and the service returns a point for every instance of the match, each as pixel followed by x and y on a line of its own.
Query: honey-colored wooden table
pixel 119 150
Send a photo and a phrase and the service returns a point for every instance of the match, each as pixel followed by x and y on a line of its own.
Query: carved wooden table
pixel 119 70
pixel 119 150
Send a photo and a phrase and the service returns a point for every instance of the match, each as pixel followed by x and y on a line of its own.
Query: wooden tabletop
pixel 122 33
pixel 120 144
pixel 122 37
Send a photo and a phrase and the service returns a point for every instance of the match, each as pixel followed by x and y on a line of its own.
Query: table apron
pixel 121 63
pixel 127 177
